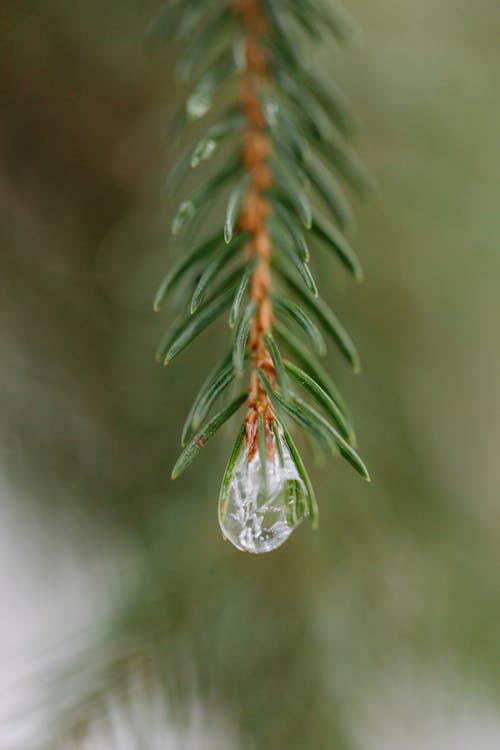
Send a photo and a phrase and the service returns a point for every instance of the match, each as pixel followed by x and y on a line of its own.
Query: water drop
pixel 263 499
pixel 271 112
pixel 198 104
pixel 205 149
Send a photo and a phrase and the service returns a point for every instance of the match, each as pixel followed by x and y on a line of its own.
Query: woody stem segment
pixel 253 217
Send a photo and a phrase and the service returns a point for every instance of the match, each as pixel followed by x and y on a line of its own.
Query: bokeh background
pixel 125 620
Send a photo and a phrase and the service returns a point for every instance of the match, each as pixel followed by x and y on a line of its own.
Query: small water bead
pixel 262 501
pixel 198 104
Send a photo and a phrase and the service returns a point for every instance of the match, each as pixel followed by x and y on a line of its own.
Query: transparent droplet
pixel 204 150
pixel 186 211
pixel 198 104
pixel 271 113
pixel 260 505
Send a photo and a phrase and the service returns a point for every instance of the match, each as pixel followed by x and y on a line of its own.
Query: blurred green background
pixel 126 620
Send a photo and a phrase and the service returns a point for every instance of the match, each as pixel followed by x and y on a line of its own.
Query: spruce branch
pixel 286 133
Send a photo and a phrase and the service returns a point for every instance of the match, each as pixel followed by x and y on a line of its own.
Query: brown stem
pixel 256 150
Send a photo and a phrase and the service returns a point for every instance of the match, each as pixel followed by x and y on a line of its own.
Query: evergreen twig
pixel 281 124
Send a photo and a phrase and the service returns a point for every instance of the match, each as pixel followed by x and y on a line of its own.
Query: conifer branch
pixel 288 128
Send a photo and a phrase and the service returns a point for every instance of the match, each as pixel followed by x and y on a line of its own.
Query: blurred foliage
pixel 402 573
